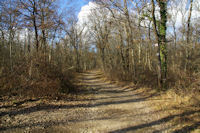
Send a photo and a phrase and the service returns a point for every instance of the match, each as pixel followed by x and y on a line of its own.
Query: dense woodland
pixel 42 48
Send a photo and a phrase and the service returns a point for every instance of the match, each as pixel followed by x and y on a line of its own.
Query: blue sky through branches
pixel 75 5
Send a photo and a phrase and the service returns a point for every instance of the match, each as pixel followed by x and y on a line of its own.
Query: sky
pixel 183 5
pixel 75 5
pixel 81 9
pixel 182 10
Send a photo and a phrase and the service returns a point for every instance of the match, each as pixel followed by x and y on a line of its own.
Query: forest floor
pixel 102 106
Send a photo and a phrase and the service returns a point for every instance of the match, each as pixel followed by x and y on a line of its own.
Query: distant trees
pixel 100 29
pixel 74 37
pixel 35 48
pixel 132 52
pixel 10 16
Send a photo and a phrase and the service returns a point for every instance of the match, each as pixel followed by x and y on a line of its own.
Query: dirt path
pixel 113 107
pixel 106 107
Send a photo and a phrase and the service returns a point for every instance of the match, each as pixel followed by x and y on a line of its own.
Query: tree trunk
pixel 163 47
pixel 188 22
pixel 35 25
pixel 161 39
pixel 188 37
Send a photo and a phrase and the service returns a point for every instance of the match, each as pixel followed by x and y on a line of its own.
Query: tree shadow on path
pixel 160 121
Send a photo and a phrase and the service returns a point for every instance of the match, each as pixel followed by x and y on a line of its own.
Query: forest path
pixel 114 108
pixel 104 107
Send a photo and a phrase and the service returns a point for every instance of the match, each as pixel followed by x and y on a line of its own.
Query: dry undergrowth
pixel 172 103
pixel 186 107
pixel 182 105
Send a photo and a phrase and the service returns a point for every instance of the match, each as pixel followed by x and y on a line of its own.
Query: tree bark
pixel 188 22
pixel 35 24
pixel 160 33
